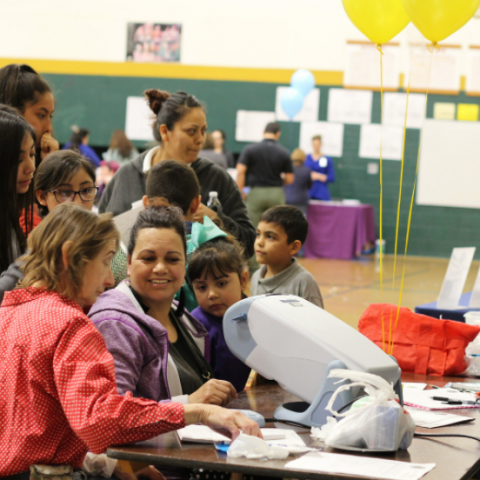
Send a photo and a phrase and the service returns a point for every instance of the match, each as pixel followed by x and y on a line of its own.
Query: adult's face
pixel 187 137
pixel 157 265
pixel 316 145
pixel 97 276
pixel 26 164
pixel 39 115
pixel 217 139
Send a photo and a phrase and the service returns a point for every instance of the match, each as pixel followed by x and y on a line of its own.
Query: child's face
pixel 216 295
pixel 271 245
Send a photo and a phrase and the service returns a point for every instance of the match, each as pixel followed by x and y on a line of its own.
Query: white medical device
pixel 290 340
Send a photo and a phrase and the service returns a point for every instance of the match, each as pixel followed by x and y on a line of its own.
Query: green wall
pixel 99 103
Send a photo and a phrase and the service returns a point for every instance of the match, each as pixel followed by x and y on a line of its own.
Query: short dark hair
pixel 175 181
pixel 56 169
pixel 21 84
pixel 219 256
pixel 291 219
pixel 169 108
pixel 272 127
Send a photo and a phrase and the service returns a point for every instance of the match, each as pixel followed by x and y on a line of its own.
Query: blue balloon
pixel 303 80
pixel 291 101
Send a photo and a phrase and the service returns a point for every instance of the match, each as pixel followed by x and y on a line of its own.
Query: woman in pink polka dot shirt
pixel 58 394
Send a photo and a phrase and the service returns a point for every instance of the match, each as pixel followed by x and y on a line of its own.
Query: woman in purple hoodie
pixel 160 350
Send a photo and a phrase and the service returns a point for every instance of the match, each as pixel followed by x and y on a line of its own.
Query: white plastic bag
pixel 381 425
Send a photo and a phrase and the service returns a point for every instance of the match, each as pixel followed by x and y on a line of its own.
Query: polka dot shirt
pixel 58 394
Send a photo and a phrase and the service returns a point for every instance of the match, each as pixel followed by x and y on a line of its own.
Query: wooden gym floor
pixel 349 286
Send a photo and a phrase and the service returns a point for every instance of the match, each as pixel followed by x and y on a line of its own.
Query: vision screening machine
pixel 290 340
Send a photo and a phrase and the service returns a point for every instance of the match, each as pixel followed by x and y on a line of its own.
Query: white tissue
pixel 321 433
pixel 255 448
pixel 99 465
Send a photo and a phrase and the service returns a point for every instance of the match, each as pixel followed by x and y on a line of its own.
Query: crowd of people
pixel 111 323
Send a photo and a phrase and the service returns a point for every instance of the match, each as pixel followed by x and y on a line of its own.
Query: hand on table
pixel 229 422
pixel 148 472
pixel 216 392
pixel 48 145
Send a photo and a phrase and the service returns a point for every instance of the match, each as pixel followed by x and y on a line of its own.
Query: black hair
pixel 272 127
pixel 58 168
pixel 219 256
pixel 13 129
pixel 291 219
pixel 169 108
pixel 21 84
pixel 77 137
pixel 174 181
pixel 161 217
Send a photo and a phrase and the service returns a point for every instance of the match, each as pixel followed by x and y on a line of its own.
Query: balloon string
pixel 379 48
pixel 434 45
pixel 407 237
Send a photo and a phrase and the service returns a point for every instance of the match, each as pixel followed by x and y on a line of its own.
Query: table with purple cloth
pixel 339 230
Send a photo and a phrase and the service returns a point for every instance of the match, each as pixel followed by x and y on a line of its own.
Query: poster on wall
pixel 154 42
pixel 138 119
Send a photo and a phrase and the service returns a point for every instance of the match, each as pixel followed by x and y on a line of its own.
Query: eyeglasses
pixel 86 194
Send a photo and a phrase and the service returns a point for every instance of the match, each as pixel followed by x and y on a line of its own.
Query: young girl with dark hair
pixel 64 176
pixel 217 272
pixel 22 88
pixel 17 165
pixel 180 129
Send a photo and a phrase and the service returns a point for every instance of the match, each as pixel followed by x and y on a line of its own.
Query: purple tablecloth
pixel 339 231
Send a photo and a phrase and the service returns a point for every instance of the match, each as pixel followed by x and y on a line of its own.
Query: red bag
pixel 422 344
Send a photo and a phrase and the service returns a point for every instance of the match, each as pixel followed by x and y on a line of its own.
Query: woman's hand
pixel 216 392
pixel 319 176
pixel 230 422
pixel 202 211
pixel 48 145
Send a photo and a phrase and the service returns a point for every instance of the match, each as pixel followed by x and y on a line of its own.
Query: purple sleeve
pixel 126 344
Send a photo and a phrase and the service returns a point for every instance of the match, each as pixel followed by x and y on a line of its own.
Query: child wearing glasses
pixel 63 176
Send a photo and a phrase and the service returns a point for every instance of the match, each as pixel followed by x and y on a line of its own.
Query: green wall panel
pixel 99 103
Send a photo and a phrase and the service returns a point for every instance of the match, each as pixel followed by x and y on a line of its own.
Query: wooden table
pixel 455 458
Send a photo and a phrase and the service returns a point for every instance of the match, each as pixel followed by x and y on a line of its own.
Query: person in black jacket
pixel 180 129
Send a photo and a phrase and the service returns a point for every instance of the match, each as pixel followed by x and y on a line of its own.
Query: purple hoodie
pixel 139 345
pixel 226 366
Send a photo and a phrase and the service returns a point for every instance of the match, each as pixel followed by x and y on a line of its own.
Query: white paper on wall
pixel 332 137
pixel 250 125
pixel 362 67
pixel 139 119
pixel 473 70
pixel 392 143
pixel 394 106
pixel 309 111
pixel 349 106
pixel 455 277
pixel 475 298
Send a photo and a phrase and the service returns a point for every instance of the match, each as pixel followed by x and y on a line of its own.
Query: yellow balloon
pixel 378 20
pixel 438 19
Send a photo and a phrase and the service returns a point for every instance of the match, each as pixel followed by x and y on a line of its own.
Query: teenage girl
pixel 219 278
pixel 17 165
pixel 24 89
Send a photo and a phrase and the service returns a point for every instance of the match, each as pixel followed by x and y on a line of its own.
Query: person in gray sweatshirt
pixel 180 129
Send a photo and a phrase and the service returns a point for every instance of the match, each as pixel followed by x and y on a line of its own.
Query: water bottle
pixel 213 202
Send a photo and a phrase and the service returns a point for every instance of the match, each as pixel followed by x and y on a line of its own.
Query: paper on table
pixel 251 124
pixel 360 466
pixel 427 419
pixel 455 278
pixel 424 399
pixel 290 437
pixel 201 434
pixel 414 386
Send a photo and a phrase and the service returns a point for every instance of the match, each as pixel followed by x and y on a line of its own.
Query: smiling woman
pixel 180 128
